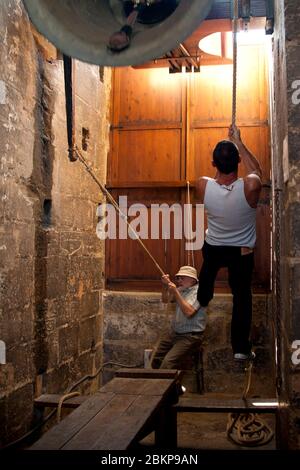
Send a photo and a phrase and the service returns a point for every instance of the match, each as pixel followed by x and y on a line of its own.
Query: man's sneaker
pixel 245 357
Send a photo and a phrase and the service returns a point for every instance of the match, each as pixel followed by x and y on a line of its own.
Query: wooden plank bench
pixel 53 400
pixel 120 414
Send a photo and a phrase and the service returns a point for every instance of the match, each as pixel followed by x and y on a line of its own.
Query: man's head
pixel 186 277
pixel 226 157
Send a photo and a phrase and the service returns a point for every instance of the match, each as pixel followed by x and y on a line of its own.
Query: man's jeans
pixel 240 268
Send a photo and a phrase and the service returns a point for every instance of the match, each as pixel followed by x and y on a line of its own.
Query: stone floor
pixel 207 431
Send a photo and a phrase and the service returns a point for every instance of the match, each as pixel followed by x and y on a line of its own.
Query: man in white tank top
pixel 230 203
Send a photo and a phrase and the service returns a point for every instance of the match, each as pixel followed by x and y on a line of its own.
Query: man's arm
pixel 186 308
pixel 254 172
pixel 200 189
pixel 250 161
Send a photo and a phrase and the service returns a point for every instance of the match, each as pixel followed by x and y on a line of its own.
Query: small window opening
pixel 85 139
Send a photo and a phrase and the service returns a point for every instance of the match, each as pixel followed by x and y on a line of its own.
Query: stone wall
pixel 286 169
pixel 52 263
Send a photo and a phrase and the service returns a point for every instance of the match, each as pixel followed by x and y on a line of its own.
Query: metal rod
pixel 69 73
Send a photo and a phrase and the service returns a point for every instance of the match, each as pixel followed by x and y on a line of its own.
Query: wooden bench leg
pixel 166 428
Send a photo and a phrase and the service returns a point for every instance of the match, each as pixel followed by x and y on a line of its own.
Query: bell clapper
pixel 120 40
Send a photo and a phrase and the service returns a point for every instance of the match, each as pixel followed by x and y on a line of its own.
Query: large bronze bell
pixel 82 28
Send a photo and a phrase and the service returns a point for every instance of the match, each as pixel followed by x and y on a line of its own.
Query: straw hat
pixel 188 271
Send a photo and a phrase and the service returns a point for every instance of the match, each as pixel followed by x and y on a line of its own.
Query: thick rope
pixel 248 429
pixel 190 225
pixel 248 382
pixel 235 54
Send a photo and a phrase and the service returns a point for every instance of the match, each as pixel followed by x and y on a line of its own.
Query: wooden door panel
pixel 252 89
pixel 147 96
pixel 146 155
pixel 204 140
pixel 126 259
pixel 211 91
pixel 210 95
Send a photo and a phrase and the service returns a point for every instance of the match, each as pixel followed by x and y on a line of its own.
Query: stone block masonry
pixel 286 170
pixel 51 260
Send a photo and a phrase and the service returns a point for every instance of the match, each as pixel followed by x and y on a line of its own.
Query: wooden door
pixel 164 129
